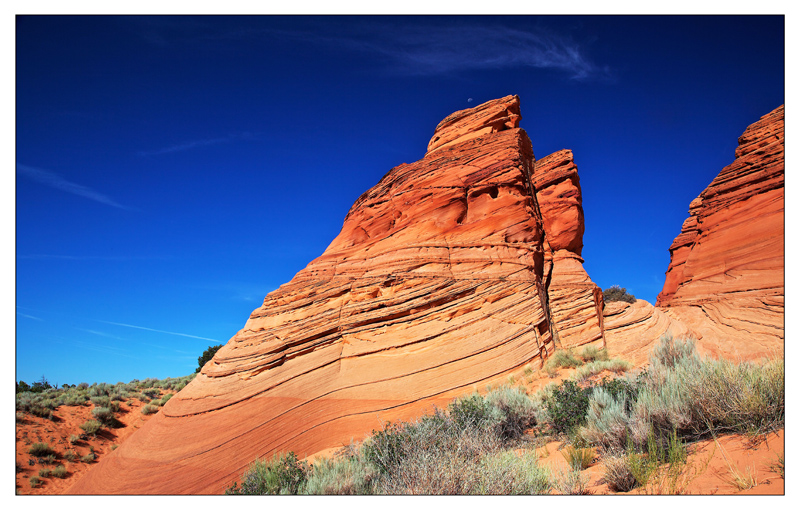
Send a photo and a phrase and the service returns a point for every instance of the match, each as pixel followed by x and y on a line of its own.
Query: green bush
pixel 349 475
pixel 41 450
pixel 89 458
pixel 567 406
pixel 284 474
pixel 59 471
pixel 35 481
pixel 617 293
pixel 101 401
pixel 562 359
pixel 44 472
pixel 592 353
pixel 206 357
pixel 104 415
pixel 70 455
pixel 91 427
pixel 149 409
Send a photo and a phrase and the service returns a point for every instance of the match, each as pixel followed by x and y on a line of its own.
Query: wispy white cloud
pixel 29 316
pixel 194 144
pixel 159 331
pixel 432 49
pixel 54 180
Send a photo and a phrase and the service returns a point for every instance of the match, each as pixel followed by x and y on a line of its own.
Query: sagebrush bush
pixel 104 415
pixel 349 475
pixel 59 471
pixel 91 427
pixel 283 474
pixel 149 409
pixel 563 359
pixel 592 353
pixel 595 367
pixel 506 472
pixel 41 450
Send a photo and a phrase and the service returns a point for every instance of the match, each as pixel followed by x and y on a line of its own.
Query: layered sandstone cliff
pixel 433 286
pixel 725 280
pixel 576 303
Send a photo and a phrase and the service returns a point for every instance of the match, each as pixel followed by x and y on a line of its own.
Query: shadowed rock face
pixel 726 274
pixel 433 286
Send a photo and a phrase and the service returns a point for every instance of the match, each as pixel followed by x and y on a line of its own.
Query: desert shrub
pixel 349 475
pixel 606 420
pixel 595 367
pixel 566 406
pixel 59 471
pixel 89 458
pixel 75 399
pixel 151 392
pixel 41 450
pixel 74 438
pixel 206 357
pixel 44 472
pixel 101 401
pixel 149 409
pixel 104 415
pixel 617 293
pixel 35 481
pixel 617 474
pixel 119 396
pixel 114 406
pixel 563 359
pixel 20 417
pixel 592 353
pixel 508 473
pixel 83 386
pixel 578 458
pixel 283 474
pixel 70 455
pixel 166 398
pixel 91 427
pixel 671 351
pixel 745 397
pixel 41 412
pixel 571 482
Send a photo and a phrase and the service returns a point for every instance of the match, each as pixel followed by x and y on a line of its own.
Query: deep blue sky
pixel 171 171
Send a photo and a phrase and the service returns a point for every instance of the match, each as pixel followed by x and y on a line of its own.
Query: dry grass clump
pixel 578 458
pixel 41 450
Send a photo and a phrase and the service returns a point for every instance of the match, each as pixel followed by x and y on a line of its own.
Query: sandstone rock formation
pixel 434 286
pixel 725 280
pixel 576 303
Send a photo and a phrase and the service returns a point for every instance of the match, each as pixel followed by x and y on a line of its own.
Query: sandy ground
pixel 56 433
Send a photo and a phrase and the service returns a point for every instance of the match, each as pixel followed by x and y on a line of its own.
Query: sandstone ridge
pixel 725 279
pixel 436 284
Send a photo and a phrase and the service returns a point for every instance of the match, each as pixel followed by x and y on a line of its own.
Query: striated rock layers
pixel 437 282
pixel 576 303
pixel 726 274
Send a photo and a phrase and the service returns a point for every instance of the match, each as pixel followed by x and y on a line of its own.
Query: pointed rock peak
pixel 490 117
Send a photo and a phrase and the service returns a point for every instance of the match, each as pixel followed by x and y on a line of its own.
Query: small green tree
pixel 206 357
pixel 617 293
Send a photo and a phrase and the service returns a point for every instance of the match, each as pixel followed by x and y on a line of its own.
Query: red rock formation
pixel 576 303
pixel 433 286
pixel 726 274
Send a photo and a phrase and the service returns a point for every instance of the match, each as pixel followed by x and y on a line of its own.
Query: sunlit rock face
pixel 576 303
pixel 726 275
pixel 433 287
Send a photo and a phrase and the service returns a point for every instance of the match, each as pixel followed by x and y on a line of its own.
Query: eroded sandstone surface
pixel 433 286
pixel 576 303
pixel 726 275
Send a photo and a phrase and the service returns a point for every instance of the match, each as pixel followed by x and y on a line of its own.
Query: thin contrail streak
pixel 159 331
